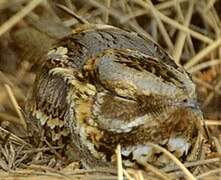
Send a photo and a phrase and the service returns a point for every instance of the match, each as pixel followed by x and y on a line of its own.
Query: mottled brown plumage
pixel 104 86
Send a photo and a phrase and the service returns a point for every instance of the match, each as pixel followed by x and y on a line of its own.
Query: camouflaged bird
pixel 103 86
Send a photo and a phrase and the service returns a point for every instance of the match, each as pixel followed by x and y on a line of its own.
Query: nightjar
pixel 103 86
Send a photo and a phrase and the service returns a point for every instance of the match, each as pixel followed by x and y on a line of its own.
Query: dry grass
pixel 189 30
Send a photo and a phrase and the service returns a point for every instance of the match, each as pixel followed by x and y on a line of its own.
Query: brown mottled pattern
pixel 87 44
pixel 101 87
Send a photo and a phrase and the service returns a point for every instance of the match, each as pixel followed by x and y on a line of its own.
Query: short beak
pixel 188 104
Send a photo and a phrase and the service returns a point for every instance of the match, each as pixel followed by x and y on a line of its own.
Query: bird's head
pixel 134 88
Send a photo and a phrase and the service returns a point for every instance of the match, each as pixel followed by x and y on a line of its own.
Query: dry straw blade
pixel 18 16
pixel 16 106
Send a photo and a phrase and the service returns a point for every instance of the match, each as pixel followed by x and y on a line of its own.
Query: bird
pixel 103 86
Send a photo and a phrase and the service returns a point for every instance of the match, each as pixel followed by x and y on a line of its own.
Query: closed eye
pixel 125 98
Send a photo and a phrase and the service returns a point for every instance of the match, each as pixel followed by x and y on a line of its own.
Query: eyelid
pixel 125 98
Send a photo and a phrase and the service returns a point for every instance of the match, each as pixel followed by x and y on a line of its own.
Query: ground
pixel 190 31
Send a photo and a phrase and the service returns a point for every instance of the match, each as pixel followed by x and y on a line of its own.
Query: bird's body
pixel 101 87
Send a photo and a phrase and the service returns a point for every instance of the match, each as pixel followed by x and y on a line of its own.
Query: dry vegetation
pixel 190 30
